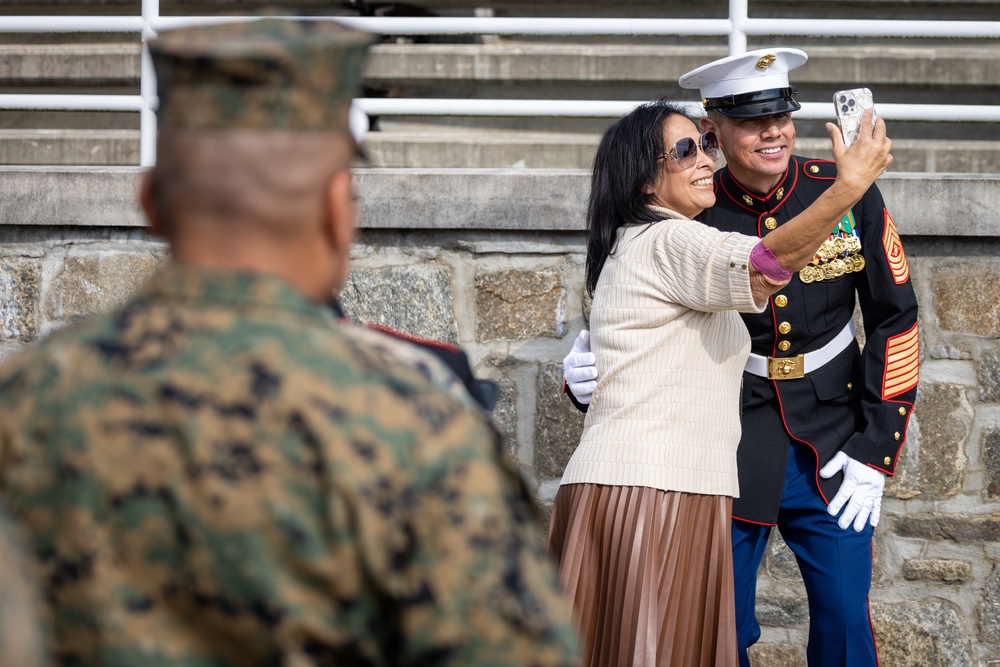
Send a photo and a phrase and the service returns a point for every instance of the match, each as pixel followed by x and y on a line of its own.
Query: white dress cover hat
pixel 748 85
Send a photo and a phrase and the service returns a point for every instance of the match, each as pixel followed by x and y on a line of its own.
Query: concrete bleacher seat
pixel 591 68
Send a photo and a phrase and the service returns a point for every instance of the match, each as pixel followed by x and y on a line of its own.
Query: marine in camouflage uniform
pixel 222 473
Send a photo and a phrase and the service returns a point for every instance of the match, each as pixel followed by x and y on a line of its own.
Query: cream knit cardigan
pixel 670 352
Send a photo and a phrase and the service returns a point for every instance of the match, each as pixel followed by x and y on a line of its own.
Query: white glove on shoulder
pixel 861 490
pixel 580 370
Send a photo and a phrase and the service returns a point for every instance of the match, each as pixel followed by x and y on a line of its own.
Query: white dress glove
pixel 580 370
pixel 861 490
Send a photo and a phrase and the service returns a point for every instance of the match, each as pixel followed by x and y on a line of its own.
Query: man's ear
pixel 708 125
pixel 342 211
pixel 147 202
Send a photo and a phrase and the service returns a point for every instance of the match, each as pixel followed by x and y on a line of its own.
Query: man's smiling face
pixel 757 150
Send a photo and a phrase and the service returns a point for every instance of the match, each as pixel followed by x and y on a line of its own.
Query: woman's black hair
pixel 627 160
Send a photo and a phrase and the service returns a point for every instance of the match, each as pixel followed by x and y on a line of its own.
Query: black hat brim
pixel 759 109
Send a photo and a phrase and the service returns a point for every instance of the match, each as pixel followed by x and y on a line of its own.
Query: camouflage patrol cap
pixel 281 74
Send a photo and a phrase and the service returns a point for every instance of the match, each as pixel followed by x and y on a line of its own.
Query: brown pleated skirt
pixel 649 574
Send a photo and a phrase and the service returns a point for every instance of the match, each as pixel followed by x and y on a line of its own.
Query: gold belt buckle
pixel 786 368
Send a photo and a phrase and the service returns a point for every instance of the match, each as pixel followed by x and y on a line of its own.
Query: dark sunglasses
pixel 685 151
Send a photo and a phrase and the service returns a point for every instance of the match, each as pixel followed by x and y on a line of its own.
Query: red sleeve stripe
pixel 894 251
pixel 902 363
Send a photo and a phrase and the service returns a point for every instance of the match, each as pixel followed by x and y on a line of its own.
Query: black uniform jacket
pixel 860 402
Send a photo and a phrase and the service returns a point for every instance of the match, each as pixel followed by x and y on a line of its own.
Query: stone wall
pixel 493 260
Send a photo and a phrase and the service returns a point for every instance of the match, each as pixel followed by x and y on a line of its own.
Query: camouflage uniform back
pixel 220 474
pixel 20 637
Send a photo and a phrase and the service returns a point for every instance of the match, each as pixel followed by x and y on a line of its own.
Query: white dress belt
pixel 789 368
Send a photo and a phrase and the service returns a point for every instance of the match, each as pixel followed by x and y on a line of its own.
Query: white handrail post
pixel 738 15
pixel 147 87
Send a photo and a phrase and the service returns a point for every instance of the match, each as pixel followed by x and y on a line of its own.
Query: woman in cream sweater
pixel 640 525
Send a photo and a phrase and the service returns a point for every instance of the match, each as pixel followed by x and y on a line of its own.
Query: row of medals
pixel 831 265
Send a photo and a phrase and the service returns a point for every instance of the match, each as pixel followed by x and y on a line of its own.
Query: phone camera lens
pixel 851 103
pixel 843 98
pixel 845 108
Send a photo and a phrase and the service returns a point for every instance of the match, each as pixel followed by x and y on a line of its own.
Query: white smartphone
pixel 851 104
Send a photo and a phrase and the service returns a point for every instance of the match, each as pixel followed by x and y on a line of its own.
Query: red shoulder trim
pixel 427 342
pixel 822 171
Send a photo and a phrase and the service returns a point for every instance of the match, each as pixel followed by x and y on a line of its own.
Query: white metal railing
pixel 736 27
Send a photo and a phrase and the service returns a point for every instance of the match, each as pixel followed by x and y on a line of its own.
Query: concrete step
pixel 80 7
pixel 913 74
pixel 953 74
pixel 77 147
pixel 100 64
pixel 470 149
pixel 891 9
pixel 477 149
pixel 969 66
pixel 576 151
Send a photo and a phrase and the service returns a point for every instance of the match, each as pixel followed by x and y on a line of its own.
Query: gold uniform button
pixel 896 436
pixel 902 411
pixel 770 223
pixel 784 345
pixel 814 169
pixel 784 327
pixel 781 301
pixel 850 386
pixel 887 460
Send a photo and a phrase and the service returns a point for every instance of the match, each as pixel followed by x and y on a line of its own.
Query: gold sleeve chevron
pixel 894 251
pixel 902 367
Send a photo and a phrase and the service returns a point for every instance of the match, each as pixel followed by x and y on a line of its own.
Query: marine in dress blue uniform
pixel 811 395
pixel 809 391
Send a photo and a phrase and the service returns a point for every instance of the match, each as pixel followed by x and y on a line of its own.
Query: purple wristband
pixel 764 261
